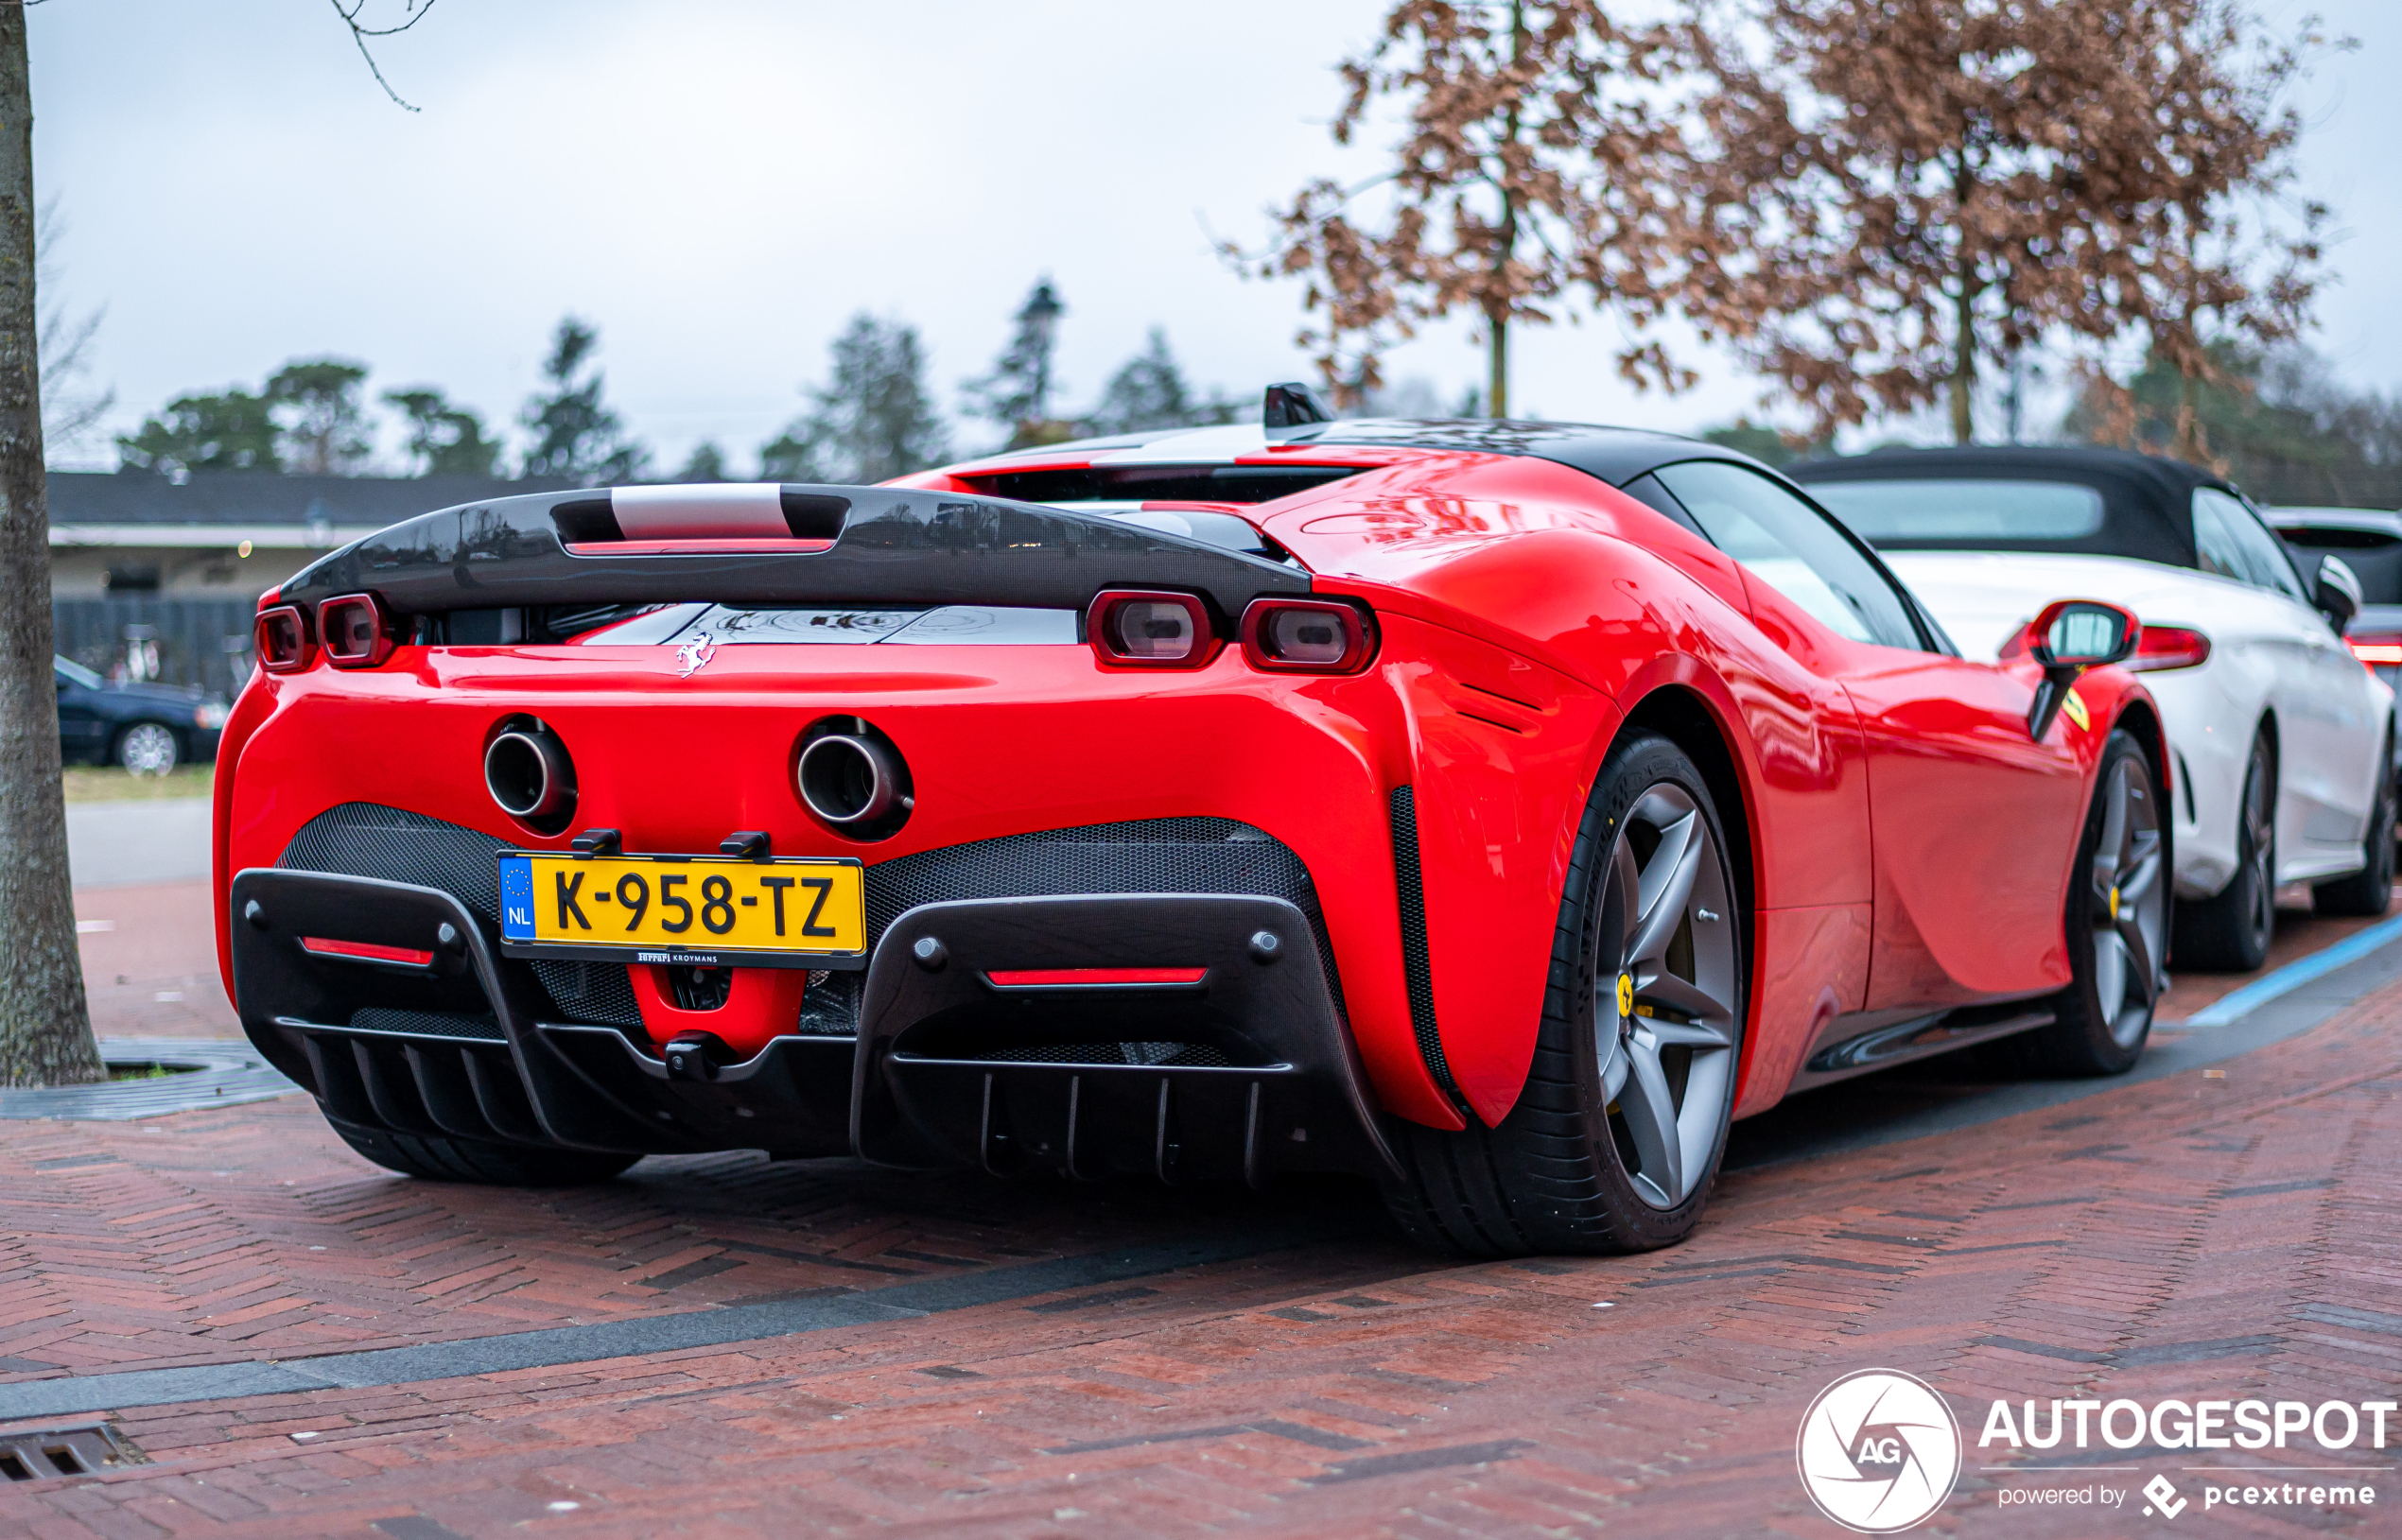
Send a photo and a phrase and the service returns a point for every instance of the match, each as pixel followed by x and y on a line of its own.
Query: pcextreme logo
pixel 1878 1451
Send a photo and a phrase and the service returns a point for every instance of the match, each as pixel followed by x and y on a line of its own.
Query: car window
pixel 1879 511
pixel 2374 557
pixel 1647 490
pixel 74 673
pixel 1792 548
pixel 2234 542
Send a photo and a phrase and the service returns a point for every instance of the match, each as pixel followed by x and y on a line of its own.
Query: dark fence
pixel 203 642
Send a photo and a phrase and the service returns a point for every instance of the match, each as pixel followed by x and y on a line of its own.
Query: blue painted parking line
pixel 2230 1008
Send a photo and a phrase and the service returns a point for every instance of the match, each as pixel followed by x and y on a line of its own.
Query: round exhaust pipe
pixel 851 781
pixel 528 773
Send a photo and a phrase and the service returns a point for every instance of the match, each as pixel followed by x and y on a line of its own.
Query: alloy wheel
pixel 1664 977
pixel 2129 902
pixel 146 748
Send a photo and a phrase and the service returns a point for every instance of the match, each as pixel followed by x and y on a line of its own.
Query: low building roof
pixel 226 507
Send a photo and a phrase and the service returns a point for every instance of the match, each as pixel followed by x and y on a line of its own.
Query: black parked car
pixel 148 728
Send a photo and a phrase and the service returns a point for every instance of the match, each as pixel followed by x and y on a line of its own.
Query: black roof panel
pixel 1614 455
pixel 2147 501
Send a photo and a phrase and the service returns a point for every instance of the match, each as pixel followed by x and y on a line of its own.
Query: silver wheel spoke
pixel 2141 871
pixel 1667 887
pixel 2110 973
pixel 2142 974
pixel 1651 1120
pixel 1668 990
pixel 1692 1034
pixel 1614 1063
pixel 2111 847
pixel 1625 878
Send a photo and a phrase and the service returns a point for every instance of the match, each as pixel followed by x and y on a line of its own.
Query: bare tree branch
pixel 360 33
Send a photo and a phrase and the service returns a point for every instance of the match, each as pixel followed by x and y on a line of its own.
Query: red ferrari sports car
pixel 1491 809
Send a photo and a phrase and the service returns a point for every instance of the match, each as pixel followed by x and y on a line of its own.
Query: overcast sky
pixel 718 185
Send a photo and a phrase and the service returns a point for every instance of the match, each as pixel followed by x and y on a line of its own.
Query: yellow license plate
pixel 685 908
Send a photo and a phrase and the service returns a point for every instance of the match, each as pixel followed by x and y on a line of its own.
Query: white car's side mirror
pixel 2337 594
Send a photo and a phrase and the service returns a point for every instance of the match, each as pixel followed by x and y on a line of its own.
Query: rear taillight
pixel 1130 629
pixel 1290 637
pixel 2168 646
pixel 283 640
pixel 352 631
pixel 2378 651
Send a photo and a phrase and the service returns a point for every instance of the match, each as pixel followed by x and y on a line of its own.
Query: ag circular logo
pixel 1878 1451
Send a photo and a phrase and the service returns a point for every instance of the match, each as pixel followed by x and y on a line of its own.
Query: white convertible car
pixel 2283 740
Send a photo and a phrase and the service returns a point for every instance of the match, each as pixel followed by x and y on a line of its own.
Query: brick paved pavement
pixel 2232 1231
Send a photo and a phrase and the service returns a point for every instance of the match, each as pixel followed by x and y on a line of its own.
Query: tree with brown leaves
pixel 1901 193
pixel 1534 161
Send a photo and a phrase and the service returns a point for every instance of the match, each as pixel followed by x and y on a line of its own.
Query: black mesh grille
pixel 426 1022
pixel 829 1004
pixel 595 992
pixel 1416 972
pixel 361 839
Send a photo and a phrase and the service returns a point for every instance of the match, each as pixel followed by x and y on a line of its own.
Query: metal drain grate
pixel 40 1454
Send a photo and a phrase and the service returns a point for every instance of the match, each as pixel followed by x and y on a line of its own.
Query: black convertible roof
pixel 1614 454
pixel 2147 501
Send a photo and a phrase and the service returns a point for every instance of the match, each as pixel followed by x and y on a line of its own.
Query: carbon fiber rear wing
pixel 774 545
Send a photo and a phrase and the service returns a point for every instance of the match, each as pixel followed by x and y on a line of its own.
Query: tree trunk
pixel 45 1027
pixel 1497 369
pixel 1497 305
pixel 1964 364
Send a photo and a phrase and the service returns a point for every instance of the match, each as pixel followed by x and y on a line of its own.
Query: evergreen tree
pixel 577 437
pixel 1017 394
pixel 2276 421
pixel 316 402
pixel 706 464
pixel 444 438
pixel 1150 392
pixel 232 430
pixel 872 421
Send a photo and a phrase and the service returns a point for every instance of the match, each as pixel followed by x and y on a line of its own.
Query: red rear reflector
pixel 353 631
pixel 1287 637
pixel 283 640
pixel 2168 646
pixel 1133 628
pixel 366 951
pixel 1093 977
pixel 2376 652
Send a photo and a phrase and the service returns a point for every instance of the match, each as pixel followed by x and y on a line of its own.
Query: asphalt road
pixel 117 844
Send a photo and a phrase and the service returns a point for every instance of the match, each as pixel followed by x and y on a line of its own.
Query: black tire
pixel 2117 926
pixel 1561 1174
pixel 440 1159
pixel 2228 932
pixel 2369 890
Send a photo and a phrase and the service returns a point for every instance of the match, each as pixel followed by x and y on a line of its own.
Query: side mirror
pixel 2070 636
pixel 2337 594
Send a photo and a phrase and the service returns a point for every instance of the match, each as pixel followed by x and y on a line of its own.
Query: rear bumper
pixel 392 1003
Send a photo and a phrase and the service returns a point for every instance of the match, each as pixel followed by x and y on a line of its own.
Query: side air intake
pixel 1416 972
